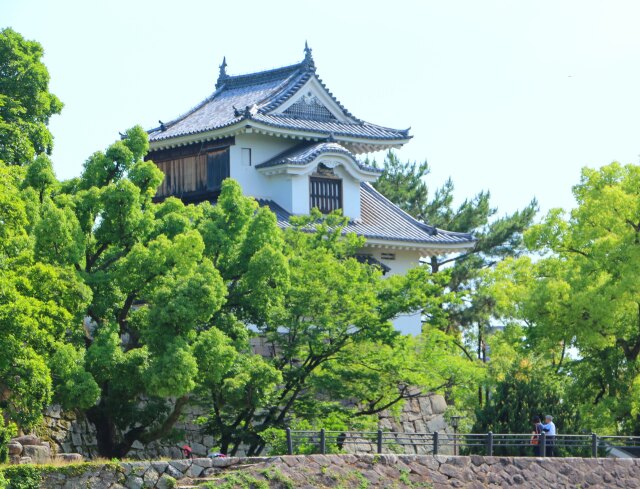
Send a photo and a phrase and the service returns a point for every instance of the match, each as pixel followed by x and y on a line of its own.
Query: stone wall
pixel 69 433
pixel 357 471
pixel 423 414
pixel 31 449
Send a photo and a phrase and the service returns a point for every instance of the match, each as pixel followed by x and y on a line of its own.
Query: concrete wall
pixel 357 471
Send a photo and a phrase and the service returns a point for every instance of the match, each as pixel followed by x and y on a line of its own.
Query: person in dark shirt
pixel 535 439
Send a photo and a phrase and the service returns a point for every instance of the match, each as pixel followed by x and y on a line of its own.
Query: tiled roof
pixel 363 130
pixel 306 152
pixel 383 220
pixel 253 96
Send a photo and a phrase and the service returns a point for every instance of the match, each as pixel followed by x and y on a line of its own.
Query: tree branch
pixel 461 346
pixel 91 260
pixel 167 424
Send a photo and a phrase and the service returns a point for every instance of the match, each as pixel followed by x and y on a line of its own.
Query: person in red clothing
pixel 187 452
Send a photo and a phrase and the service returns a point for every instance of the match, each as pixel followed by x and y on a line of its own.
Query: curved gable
pixel 303 159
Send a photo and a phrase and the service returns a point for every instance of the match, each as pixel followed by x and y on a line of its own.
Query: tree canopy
pixel 468 318
pixel 26 104
pixel 41 310
pixel 158 304
pixel 580 301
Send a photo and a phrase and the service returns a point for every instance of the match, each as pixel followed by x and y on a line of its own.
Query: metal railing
pixel 562 445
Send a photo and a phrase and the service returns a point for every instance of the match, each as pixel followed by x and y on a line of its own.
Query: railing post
pixel 543 444
pixel 594 445
pixel 490 444
pixel 323 442
pixel 379 441
pixel 435 443
pixel 289 442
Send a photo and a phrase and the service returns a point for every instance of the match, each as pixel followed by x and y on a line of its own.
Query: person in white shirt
pixel 550 434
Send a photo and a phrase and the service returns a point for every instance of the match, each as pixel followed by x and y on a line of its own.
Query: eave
pixel 423 249
pixel 358 145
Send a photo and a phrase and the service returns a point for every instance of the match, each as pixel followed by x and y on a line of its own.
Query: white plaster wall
pixel 404 261
pixel 291 192
pixel 299 194
pixel 262 148
pixel 350 193
pixel 280 190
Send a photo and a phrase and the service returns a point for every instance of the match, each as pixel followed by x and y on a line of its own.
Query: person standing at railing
pixel 550 429
pixel 535 439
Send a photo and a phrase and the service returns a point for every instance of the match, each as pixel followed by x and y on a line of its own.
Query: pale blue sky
pixel 510 96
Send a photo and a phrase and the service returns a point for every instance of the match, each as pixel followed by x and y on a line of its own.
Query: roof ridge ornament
pixel 222 76
pixel 249 111
pixel 308 62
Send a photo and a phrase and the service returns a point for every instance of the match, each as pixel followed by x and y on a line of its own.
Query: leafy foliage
pixel 524 385
pixel 583 296
pixel 335 308
pixel 41 307
pixel 22 477
pixel 6 432
pixel 467 318
pixel 141 306
pixel 25 102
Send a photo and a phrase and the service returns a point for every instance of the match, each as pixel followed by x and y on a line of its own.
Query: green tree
pixel 468 320
pixel 26 105
pixel 153 290
pixel 523 384
pixel 336 309
pixel 584 296
pixel 172 288
pixel 41 308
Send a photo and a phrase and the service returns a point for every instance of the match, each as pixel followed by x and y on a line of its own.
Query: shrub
pixel 6 432
pixel 22 477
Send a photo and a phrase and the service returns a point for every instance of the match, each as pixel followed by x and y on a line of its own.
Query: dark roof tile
pixel 306 152
pixel 264 92
pixel 381 219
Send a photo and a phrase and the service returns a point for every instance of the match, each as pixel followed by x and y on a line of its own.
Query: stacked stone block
pixel 70 433
pixel 357 471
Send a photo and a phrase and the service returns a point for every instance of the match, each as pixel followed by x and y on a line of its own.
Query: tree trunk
pixel 113 444
pixel 106 433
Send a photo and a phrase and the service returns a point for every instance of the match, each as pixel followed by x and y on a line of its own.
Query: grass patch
pixel 29 476
pixel 404 477
pixel 237 480
pixel 274 474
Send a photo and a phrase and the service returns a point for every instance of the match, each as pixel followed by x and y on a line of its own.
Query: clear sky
pixel 510 96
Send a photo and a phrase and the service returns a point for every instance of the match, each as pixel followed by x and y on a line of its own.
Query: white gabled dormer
pixel 323 175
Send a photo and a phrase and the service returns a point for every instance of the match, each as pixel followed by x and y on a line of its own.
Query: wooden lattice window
pixel 325 194
pixel 217 169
